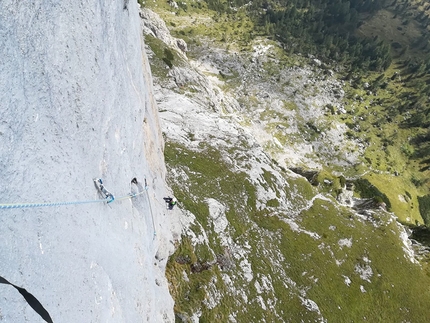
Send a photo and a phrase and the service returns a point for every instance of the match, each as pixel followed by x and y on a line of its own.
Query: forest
pixel 330 31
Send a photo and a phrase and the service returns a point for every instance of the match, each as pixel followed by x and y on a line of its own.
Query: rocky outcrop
pixel 155 26
pixel 76 103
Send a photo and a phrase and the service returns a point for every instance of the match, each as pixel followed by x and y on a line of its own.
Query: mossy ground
pixel 164 58
pixel 392 28
pixel 391 153
pixel 402 195
pixel 291 261
pixel 192 21
pixel 315 250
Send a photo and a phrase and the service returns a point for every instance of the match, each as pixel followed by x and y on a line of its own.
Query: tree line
pixel 323 28
pixel 327 29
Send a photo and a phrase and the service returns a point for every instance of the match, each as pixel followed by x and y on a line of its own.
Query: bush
pixel 366 190
pixel 342 181
pixel 424 205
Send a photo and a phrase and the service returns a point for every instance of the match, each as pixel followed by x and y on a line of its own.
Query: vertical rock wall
pixel 76 103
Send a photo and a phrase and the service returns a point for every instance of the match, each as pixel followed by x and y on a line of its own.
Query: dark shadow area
pixel 310 175
pixel 367 190
pixel 422 148
pixel 425 161
pixel 424 206
pixel 423 169
pixel 136 188
pixel 31 300
pixel 421 234
pixel 426 165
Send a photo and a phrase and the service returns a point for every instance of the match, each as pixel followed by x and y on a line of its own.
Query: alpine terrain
pixel 293 134
pixel 296 141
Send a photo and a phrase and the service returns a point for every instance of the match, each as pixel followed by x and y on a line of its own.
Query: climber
pixel 171 202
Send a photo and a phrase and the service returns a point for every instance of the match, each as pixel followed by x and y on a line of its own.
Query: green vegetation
pixel 366 190
pixel 371 246
pixel 164 57
pixel 351 268
pixel 327 29
pixel 294 238
pixel 397 75
pixel 424 204
pixel 389 96
pixel 402 196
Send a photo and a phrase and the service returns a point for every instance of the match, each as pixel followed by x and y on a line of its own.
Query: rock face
pixel 153 25
pixel 76 104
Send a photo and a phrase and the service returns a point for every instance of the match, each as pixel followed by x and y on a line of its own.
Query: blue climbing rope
pixel 29 205
pixel 108 199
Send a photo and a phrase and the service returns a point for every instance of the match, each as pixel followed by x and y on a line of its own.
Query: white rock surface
pixel 76 103
pixel 153 25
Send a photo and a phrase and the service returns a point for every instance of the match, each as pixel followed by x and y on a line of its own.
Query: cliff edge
pixel 76 104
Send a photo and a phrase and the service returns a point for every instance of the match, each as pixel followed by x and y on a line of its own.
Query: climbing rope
pixel 28 205
pixel 130 195
pixel 108 199
pixel 150 209
pixel 31 300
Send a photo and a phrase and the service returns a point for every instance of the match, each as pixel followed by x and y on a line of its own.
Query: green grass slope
pixel 314 261
pixel 263 244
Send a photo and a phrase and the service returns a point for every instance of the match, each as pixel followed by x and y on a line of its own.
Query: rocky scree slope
pixel 260 242
pixel 76 103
